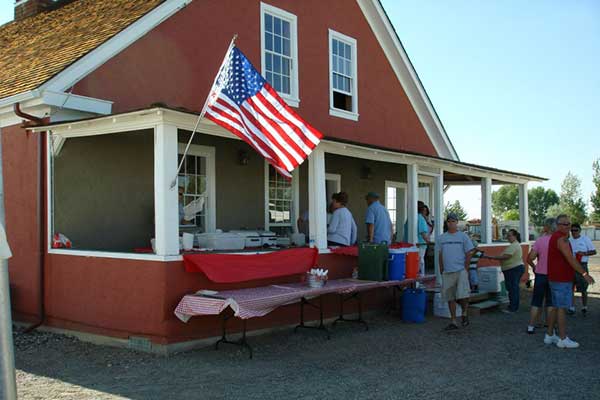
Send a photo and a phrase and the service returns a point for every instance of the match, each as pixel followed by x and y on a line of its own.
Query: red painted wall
pixel 176 63
pixel 20 168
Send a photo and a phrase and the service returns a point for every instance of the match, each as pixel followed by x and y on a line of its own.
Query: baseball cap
pixel 372 195
pixel 452 216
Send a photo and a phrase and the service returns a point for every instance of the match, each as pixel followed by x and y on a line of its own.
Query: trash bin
pixel 414 304
pixel 373 261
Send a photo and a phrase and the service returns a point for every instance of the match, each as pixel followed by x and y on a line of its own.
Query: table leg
pixel 342 318
pixel 321 326
pixel 241 342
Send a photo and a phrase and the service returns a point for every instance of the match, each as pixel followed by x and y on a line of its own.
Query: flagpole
pixel 189 143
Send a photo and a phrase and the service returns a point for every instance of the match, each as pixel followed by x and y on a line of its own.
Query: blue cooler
pixel 414 303
pixel 397 264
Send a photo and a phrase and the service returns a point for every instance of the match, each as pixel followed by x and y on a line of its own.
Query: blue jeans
pixel 512 277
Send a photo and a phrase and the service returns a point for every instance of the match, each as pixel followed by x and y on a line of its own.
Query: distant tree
pixel 511 215
pixel 504 199
pixel 457 209
pixel 540 200
pixel 570 200
pixel 595 198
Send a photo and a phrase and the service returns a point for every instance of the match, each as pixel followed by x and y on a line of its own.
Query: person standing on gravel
pixel 583 248
pixel 541 287
pixel 562 266
pixel 455 251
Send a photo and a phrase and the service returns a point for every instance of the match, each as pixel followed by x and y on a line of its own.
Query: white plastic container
pixel 490 279
pixel 252 238
pixel 268 238
pixel 187 241
pixel 441 309
pixel 221 241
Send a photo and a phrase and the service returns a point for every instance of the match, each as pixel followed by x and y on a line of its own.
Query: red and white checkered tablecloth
pixel 259 301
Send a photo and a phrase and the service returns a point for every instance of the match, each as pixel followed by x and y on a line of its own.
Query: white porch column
pixel 486 210
pixel 166 207
pixel 412 179
pixel 523 212
pixel 438 191
pixel 317 201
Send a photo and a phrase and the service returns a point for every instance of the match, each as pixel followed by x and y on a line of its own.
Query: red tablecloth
pixel 231 268
pixel 352 251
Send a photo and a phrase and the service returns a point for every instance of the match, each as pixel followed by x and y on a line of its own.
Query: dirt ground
pixel 493 358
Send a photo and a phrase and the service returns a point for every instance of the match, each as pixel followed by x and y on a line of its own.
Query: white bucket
pixel 188 241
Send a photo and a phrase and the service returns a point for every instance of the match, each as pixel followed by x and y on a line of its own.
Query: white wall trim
pixel 293 99
pixel 108 254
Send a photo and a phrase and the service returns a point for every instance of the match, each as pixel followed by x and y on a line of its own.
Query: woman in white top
pixel 342 228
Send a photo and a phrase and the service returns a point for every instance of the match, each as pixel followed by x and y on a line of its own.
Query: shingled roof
pixel 36 49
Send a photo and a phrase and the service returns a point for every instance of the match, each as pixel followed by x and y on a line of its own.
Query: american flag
pixel 243 102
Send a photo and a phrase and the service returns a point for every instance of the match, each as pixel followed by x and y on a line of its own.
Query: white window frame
pixel 209 154
pixel 292 99
pixel 397 185
pixel 336 112
pixel 295 200
pixel 429 180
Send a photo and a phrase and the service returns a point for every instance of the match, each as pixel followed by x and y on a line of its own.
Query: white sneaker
pixel 551 339
pixel 567 343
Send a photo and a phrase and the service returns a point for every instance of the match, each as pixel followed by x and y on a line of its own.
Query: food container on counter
pixel 251 238
pixel 268 238
pixel 221 241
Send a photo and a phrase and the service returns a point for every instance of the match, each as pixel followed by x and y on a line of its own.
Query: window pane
pixel 270 78
pixel 277 64
pixel 268 41
pixel 285 87
pixel 277 26
pixel 286 29
pixel 334 45
pixel 277 82
pixel 286 47
pixel 277 44
pixel 341 49
pixel 285 67
pixel 268 62
pixel 348 52
pixel 348 68
pixel 268 23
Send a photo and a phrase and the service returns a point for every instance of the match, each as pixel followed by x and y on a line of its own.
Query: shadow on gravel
pixel 493 358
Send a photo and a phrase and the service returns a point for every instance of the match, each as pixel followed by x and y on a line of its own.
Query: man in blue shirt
pixel 379 224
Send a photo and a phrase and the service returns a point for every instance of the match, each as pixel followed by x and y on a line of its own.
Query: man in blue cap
pixel 379 224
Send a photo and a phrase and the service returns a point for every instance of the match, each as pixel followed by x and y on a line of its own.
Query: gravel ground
pixel 492 358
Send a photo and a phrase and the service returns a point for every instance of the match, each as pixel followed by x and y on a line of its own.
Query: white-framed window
pixel 196 182
pixel 343 76
pixel 279 51
pixel 281 200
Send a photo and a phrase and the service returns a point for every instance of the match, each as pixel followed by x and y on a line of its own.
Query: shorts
pixel 581 284
pixel 455 285
pixel 562 294
pixel 541 291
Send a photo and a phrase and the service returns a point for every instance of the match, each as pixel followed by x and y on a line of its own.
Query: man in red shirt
pixel 561 272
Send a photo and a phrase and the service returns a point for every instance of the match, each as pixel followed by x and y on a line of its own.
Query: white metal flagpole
pixel 231 45
pixel 8 386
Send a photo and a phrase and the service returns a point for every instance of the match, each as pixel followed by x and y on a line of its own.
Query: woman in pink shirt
pixel 541 288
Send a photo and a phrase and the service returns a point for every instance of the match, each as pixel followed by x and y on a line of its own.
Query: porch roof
pixel 455 172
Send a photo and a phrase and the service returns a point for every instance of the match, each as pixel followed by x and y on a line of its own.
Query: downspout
pixel 35 121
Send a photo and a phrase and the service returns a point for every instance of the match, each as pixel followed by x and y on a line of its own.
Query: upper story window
pixel 343 93
pixel 280 51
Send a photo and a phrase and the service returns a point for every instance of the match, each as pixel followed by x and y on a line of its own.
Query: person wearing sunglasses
pixel 582 248
pixel 562 266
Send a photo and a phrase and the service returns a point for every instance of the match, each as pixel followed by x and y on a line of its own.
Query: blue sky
pixel 515 83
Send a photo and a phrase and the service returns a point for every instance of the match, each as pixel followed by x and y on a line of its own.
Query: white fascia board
pixel 357 151
pixel 77 102
pixel 400 63
pixel 97 57
pixel 17 98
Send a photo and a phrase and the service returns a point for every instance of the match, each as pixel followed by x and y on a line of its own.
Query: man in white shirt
pixel 583 248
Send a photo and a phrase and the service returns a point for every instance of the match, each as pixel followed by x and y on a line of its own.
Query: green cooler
pixel 373 261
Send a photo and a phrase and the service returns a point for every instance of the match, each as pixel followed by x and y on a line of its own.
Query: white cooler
pixel 490 279
pixel 440 308
pixel 252 238
pixel 221 241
